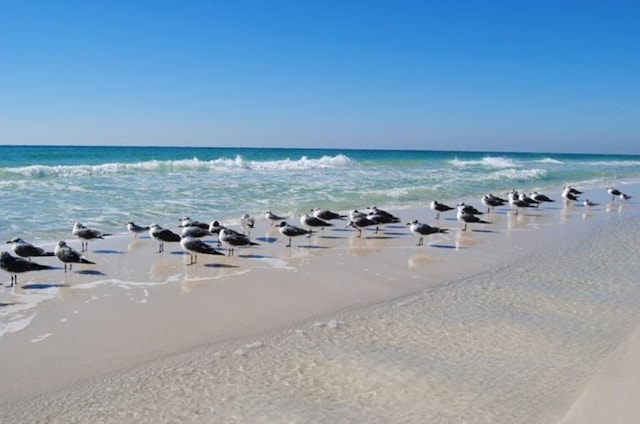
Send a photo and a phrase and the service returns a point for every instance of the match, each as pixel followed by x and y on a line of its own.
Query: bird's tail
pixel 86 261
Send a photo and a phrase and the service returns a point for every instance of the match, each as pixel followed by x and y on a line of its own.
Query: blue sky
pixel 553 76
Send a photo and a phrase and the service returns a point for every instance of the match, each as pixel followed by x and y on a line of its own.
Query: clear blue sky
pixel 559 76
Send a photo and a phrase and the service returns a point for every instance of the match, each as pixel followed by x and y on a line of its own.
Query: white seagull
pixel 417 227
pixel 69 256
pixel 85 234
pixel 193 246
pixel 232 239
pixel 163 235
pixel 291 231
pixel 27 250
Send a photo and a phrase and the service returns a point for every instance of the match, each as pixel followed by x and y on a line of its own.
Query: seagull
pixel 570 193
pixel 516 202
pixel 541 198
pixel 69 256
pixel 624 196
pixel 188 222
pixel 194 246
pixel 587 203
pixel 417 227
pixel 136 229
pixel 163 235
pixel 614 192
pixel 292 231
pixel 273 217
pixel 247 222
pixel 326 214
pixel 491 201
pixel 373 210
pixel 312 222
pixel 360 221
pixel 381 217
pixel 27 250
pixel 14 266
pixel 233 239
pixel 195 232
pixel 532 203
pixel 469 209
pixel 85 234
pixel 468 218
pixel 439 207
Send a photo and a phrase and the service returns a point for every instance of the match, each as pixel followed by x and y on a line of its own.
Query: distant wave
pixel 488 162
pixel 515 175
pixel 184 165
pixel 550 160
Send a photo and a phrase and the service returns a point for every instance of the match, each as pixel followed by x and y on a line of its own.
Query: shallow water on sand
pixel 512 345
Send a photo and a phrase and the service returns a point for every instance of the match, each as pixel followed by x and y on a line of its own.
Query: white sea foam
pixel 550 160
pixel 487 162
pixel 218 166
pixel 515 174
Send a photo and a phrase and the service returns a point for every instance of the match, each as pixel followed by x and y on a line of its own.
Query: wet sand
pixel 335 328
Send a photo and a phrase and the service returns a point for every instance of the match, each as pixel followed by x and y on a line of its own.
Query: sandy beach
pixel 532 318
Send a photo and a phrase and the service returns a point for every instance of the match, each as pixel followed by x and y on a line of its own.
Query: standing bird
pixel 439 207
pixel 188 222
pixel 85 234
pixel 312 222
pixel 422 230
pixel 233 239
pixel 587 203
pixel 27 250
pixel 518 202
pixel 163 235
pixel 570 194
pixel 273 218
pixel 193 246
pixel 69 256
pixel 292 231
pixel 468 218
pixel 359 221
pixel 136 229
pixel 247 223
pixel 541 198
pixel 491 201
pixel 15 266
pixel 326 214
pixel 614 192
pixel 195 232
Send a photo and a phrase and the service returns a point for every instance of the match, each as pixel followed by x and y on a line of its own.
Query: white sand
pixel 287 335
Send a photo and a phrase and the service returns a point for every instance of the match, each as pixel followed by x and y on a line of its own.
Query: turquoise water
pixel 46 189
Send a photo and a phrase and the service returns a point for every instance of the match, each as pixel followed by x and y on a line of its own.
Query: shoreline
pixel 305 284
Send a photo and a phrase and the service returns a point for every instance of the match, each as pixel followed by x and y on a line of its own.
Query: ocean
pixel 45 189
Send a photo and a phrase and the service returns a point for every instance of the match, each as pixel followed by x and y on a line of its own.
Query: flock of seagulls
pixel 192 232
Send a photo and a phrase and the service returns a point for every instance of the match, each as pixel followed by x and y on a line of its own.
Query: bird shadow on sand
pixel 220 266
pixel 442 246
pixel 375 237
pixel 267 239
pixel 108 252
pixel 329 237
pixel 254 256
pixel 178 252
pixel 3 304
pixel 311 246
pixel 483 231
pixel 90 272
pixel 42 286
